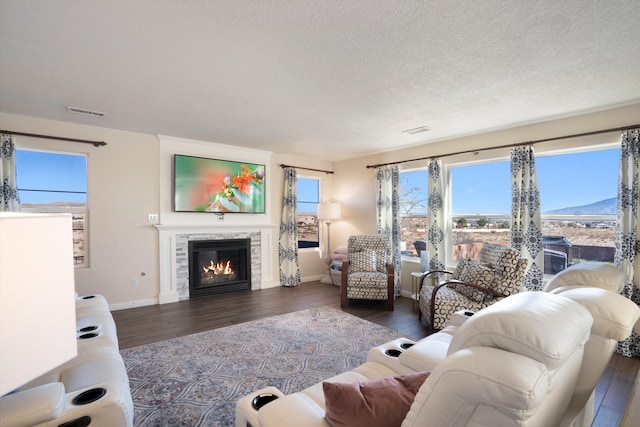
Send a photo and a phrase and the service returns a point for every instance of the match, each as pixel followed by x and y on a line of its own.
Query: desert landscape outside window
pixel 308 193
pixel 578 202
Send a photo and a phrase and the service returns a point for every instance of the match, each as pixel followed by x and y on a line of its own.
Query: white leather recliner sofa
pixel 593 286
pixel 502 368
pixel 91 389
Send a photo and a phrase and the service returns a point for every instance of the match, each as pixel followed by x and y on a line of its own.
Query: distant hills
pixel 603 207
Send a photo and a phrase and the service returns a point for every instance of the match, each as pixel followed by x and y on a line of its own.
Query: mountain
pixel 603 207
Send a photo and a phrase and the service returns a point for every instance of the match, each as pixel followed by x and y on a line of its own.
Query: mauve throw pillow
pixel 383 402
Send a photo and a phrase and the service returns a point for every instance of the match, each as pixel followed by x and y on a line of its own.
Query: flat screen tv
pixel 219 186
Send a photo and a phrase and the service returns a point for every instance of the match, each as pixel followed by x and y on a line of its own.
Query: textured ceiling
pixel 328 79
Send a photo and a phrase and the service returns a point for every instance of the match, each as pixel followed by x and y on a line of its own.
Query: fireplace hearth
pixel 219 266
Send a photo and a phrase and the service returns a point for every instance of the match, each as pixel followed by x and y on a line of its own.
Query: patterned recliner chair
pixel 474 285
pixel 367 273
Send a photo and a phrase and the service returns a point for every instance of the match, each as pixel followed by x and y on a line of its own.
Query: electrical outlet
pixel 152 219
pixel 134 282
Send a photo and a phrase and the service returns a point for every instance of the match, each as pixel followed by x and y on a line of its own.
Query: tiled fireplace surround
pixel 174 254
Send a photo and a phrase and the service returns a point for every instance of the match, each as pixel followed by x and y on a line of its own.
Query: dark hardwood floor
pixel 149 324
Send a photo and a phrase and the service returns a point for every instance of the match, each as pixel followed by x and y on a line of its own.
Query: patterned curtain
pixel 388 213
pixel 526 220
pixel 435 235
pixel 288 239
pixel 627 256
pixel 9 200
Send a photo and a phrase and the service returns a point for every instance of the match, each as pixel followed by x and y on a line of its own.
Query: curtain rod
pixel 309 169
pixel 477 150
pixel 58 138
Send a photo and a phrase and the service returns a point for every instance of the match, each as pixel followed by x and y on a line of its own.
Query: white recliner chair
pixel 502 368
pixel 92 389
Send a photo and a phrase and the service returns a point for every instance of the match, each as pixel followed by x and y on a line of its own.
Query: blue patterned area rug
pixel 196 380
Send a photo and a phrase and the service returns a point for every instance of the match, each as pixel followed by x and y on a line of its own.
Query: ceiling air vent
pixel 416 130
pixel 85 112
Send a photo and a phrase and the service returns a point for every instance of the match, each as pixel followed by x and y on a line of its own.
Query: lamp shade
pixel 328 211
pixel 37 296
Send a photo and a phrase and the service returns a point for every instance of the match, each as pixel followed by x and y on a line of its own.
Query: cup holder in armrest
pixel 88 297
pixel 262 399
pixel 89 396
pixel 87 336
pixel 406 345
pixel 393 352
pixel 78 422
pixel 468 313
pixel 88 328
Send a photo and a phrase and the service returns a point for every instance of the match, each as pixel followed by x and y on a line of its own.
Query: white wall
pixel 354 183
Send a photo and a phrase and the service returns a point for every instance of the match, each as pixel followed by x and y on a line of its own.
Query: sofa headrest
pixel 545 327
pixel 595 274
pixel 613 315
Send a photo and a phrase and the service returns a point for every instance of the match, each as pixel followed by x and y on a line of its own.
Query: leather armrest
pixel 32 406
pixel 459 317
pixel 428 352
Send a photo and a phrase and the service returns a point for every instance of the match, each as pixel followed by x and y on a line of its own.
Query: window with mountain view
pixel 578 194
pixel 56 182
pixel 578 198
pixel 413 209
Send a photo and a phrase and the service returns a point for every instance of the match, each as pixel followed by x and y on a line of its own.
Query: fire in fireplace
pixel 217 266
pixel 218 272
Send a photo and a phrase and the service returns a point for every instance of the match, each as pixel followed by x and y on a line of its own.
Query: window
pixel 413 209
pixel 480 207
pixel 56 182
pixel 578 197
pixel 578 200
pixel 308 190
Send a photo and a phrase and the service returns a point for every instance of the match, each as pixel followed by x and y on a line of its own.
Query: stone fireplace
pixel 174 256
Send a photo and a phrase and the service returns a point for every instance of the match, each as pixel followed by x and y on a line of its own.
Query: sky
pixel 54 172
pixel 308 192
pixel 565 180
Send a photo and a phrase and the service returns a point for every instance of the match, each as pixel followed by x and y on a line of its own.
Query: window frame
pixel 321 236
pixel 424 215
pixel 576 146
pixel 68 209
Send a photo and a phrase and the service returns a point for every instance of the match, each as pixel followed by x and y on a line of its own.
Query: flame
pixel 218 268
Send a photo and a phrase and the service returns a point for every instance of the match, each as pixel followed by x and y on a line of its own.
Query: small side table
pixel 415 288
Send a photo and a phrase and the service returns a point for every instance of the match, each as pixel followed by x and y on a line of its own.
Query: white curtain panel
pixel 288 239
pixel 435 235
pixel 388 213
pixel 526 218
pixel 9 200
pixel 627 256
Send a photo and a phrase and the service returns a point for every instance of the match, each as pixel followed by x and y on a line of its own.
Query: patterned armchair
pixel 474 285
pixel 367 273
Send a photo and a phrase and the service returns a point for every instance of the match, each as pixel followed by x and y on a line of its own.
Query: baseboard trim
pixel 133 304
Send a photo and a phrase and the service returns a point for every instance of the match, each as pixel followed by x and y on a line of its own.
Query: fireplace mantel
pixel 172 237
pixel 208 228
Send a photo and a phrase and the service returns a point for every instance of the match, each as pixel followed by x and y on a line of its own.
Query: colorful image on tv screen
pixel 212 185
